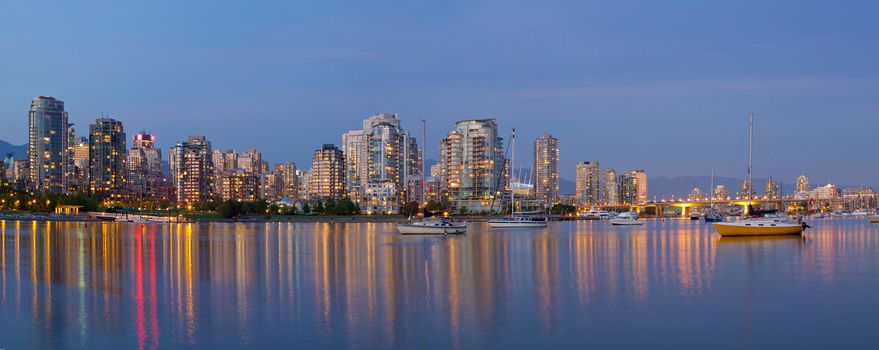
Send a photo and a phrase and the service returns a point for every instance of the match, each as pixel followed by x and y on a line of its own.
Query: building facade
pixel 49 157
pixel 633 187
pixel 610 190
pixel 803 184
pixel 191 167
pixel 107 157
pixel 472 162
pixel 146 171
pixel 546 169
pixel 382 151
pixel 588 184
pixel 328 173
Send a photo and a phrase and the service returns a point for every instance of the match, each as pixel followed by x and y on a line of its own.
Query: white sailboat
pixel 756 226
pixel 515 221
pixel 440 226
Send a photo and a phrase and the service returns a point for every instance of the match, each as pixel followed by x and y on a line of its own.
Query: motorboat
pixel 695 216
pixel 517 222
pixel 873 218
pixel 596 214
pixel 442 226
pixel 860 212
pixel 627 218
pixel 713 216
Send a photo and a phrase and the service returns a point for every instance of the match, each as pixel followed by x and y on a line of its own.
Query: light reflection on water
pixel 667 283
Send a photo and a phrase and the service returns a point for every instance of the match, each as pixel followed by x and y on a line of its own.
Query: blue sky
pixel 663 86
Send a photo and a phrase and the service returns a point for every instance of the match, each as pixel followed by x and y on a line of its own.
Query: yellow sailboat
pixel 757 226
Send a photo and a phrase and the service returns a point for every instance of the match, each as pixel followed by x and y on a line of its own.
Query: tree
pixel 347 207
pixel 319 208
pixel 562 209
pixel 306 209
pixel 330 208
pixel 462 211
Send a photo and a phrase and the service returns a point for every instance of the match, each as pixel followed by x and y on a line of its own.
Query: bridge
pixel 686 206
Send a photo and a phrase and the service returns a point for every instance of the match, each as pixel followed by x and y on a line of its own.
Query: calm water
pixel 576 284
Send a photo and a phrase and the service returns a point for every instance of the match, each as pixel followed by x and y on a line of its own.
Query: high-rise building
pixel 146 172
pixel 828 191
pixel 771 189
pixel 191 168
pixel 720 192
pixel 696 194
pixel 633 187
pixel 304 180
pixel 588 184
pixel 282 182
pixel 610 190
pixel 107 158
pixel 328 173
pixel 49 157
pixel 802 184
pixel 546 170
pixel 80 173
pixel 380 152
pixel 472 161
pixel 250 162
pixel 745 190
pixel 238 185
pixel 354 146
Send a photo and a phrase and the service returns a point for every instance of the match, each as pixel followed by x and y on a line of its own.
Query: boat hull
pixel 873 218
pixel 410 229
pixel 626 222
pixel 757 229
pixel 498 224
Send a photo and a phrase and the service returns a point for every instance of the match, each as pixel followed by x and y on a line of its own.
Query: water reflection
pixel 362 285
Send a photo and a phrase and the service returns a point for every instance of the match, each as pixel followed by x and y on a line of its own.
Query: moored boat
pixel 517 221
pixel 625 219
pixel 873 218
pixel 758 227
pixel 433 227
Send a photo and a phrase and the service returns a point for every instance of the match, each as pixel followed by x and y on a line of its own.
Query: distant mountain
pixel 18 152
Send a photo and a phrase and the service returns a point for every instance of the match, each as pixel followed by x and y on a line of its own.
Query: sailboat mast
pixel 750 151
pixel 711 191
pixel 512 163
pixel 423 154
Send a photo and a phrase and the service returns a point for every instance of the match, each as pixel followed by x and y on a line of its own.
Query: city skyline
pixel 581 74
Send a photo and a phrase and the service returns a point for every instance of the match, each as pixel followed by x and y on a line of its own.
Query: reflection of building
pixel 633 187
pixel 107 157
pixel 588 189
pixel 328 173
pixel 802 183
pixel 48 153
pixel 471 158
pixel 771 189
pixel 146 173
pixel 610 191
pixel 191 168
pixel 546 169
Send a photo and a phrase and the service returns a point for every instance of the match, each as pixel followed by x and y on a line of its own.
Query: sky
pixel 664 86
